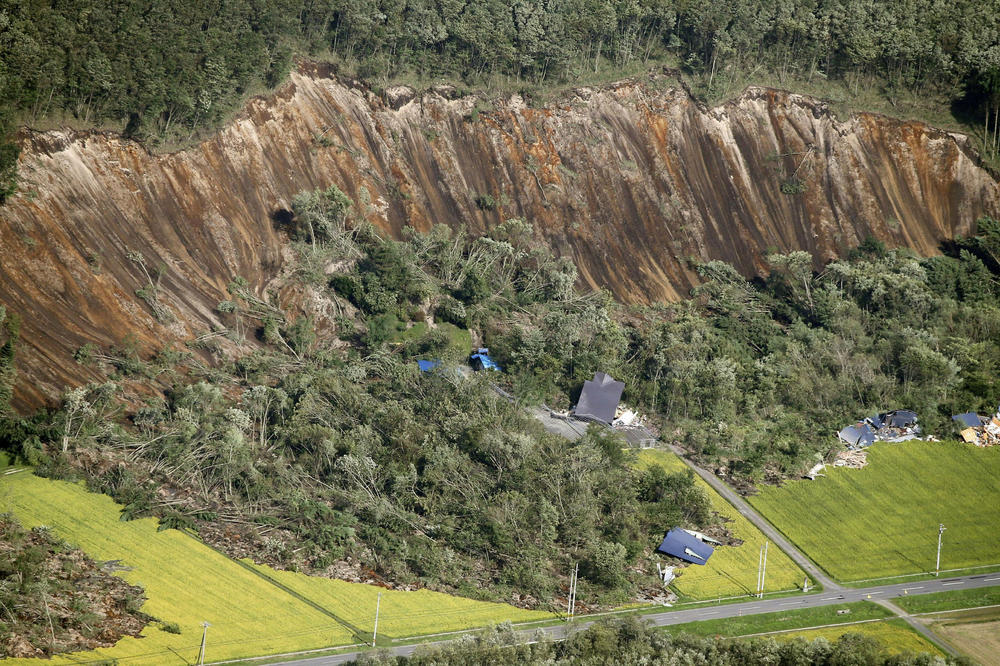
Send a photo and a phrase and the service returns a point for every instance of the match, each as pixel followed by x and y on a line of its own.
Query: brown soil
pixel 632 181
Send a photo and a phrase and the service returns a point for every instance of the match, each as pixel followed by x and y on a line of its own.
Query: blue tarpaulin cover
pixel 481 360
pixel 427 366
pixel 688 548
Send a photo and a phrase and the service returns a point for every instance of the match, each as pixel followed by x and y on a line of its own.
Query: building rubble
pixel 979 430
pixel 896 426
pixel 857 459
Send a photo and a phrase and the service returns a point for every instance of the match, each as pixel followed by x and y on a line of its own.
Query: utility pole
pixel 937 566
pixel 378 604
pixel 204 634
pixel 572 591
pixel 762 574
pixel 760 562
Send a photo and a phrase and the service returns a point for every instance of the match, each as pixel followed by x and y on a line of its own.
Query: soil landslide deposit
pixel 630 180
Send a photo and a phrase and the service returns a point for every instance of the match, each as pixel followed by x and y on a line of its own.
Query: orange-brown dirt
pixel 630 180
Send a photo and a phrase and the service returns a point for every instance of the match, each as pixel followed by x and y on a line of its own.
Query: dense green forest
pixel 323 432
pixel 629 641
pixel 165 68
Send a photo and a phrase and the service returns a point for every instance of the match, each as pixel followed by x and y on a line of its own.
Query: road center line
pixel 828 598
pixel 989 579
pixel 957 582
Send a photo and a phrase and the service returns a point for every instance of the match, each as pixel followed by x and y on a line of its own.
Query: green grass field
pixel 942 601
pixel 732 627
pixel 882 520
pixel 895 635
pixel 732 571
pixel 186 582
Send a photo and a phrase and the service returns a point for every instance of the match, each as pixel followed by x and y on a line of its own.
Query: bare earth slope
pixel 630 180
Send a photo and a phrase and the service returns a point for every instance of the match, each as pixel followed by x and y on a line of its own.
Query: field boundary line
pixel 818 626
pixel 955 610
pixel 921 573
pixel 358 633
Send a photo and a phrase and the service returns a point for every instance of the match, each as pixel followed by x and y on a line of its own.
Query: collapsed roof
pixel 599 398
pixel 970 420
pixel 679 543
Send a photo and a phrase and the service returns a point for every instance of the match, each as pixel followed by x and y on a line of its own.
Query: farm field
pixel 895 635
pixel 731 571
pixel 975 633
pixel 186 582
pixel 882 520
pixel 401 613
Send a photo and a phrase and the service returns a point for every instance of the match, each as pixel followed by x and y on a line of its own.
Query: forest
pixel 165 69
pixel 319 444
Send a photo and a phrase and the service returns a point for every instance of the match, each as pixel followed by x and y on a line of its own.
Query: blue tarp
pixel 481 360
pixel 679 543
pixel 427 366
pixel 969 419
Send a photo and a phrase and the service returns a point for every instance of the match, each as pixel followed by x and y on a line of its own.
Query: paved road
pixel 751 514
pixel 877 594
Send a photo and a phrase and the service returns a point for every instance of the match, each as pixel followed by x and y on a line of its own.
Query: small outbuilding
pixel 599 399
pixel 681 544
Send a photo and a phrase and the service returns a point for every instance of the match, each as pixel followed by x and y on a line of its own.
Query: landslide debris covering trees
pixel 320 445
pixel 55 599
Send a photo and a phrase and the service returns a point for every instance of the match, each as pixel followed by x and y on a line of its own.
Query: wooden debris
pixel 852 459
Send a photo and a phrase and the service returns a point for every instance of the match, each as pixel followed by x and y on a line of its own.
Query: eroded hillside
pixel 630 181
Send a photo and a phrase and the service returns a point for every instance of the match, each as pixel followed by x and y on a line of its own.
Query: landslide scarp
pixel 633 181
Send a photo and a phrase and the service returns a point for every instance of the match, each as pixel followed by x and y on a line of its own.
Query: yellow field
pixel 896 635
pixel 186 582
pixel 401 613
pixel 731 571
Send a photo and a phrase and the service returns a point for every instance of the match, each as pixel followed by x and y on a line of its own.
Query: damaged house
pixel 683 544
pixel 895 426
pixel 599 399
pixel 979 430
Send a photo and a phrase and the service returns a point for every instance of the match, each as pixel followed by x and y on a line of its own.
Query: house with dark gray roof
pixel 599 399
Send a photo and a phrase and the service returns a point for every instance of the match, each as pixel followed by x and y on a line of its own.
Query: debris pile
pixel 895 426
pixel 982 431
pixel 854 459
pixel 634 427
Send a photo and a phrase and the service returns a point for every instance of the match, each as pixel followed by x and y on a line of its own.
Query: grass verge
pixel 732 627
pixel 951 600
pixel 882 520
pixel 731 571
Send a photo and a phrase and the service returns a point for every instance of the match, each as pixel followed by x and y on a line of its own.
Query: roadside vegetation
pixel 629 641
pixel 734 627
pixel 954 600
pixel 883 520
pixel 83 63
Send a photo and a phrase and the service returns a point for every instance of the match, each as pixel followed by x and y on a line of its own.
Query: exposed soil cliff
pixel 629 180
